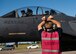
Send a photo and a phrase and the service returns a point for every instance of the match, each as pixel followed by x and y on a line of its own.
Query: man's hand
pixel 49 18
pixel 43 18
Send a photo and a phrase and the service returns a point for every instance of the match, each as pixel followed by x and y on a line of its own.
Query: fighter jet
pixel 21 24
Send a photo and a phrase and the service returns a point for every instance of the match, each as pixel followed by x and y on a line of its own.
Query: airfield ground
pixel 22 50
pixel 31 51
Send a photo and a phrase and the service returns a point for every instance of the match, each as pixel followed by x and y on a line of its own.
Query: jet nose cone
pixel 73 25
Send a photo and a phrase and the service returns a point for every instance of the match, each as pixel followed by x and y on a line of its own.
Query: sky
pixel 66 6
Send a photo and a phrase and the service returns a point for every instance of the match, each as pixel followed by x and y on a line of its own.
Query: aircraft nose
pixel 73 25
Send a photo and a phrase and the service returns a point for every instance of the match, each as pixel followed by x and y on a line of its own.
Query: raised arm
pixel 57 23
pixel 40 25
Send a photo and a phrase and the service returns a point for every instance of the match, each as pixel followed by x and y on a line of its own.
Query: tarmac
pixel 30 51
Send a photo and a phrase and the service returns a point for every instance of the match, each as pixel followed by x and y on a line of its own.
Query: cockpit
pixel 30 11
